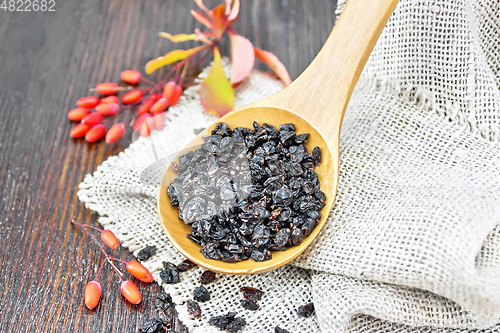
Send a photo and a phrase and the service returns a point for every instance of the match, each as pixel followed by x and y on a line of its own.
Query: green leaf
pixel 171 57
pixel 216 93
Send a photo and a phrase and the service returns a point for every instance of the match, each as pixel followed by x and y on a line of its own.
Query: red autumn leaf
pixel 203 36
pixel 242 57
pixel 233 15
pixel 217 15
pixel 202 6
pixel 228 7
pixel 272 61
pixel 203 19
pixel 216 93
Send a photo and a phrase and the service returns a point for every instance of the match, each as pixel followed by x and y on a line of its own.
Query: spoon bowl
pixel 177 230
pixel 315 103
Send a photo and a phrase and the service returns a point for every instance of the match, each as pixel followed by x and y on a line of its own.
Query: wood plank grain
pixel 48 61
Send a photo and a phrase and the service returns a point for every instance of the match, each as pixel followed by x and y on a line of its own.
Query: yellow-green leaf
pixel 216 93
pixel 177 38
pixel 171 57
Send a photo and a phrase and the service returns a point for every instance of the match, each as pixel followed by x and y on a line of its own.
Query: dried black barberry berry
pixel 297 236
pixel 146 253
pixel 163 301
pixel 201 294
pixel 249 305
pixel 236 325
pixel 277 329
pixel 222 321
pixel 207 277
pixel 185 265
pixel 228 322
pixel 169 274
pixel 306 310
pixel 193 309
pixel 252 294
pixel 247 192
pixel 316 155
pixel 154 325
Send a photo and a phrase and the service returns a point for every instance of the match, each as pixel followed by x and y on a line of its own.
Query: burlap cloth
pixel 413 240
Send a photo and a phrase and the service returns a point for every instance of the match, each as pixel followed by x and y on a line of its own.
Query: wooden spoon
pixel 315 103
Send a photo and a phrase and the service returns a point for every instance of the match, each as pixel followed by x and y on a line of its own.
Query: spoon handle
pixel 321 93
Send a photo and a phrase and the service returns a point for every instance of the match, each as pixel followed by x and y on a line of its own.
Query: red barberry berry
pixel 92 294
pixel 160 105
pixel 109 238
pixel 96 133
pixel 115 132
pixel 79 131
pixel 78 114
pixel 92 119
pixel 107 109
pixel 107 88
pixel 110 99
pixel 88 102
pixel 172 92
pixel 148 103
pixel 145 107
pixel 138 270
pixel 132 96
pixel 138 122
pixel 147 127
pixel 132 77
pixel 159 119
pixel 155 97
pixel 131 293
pixel 149 279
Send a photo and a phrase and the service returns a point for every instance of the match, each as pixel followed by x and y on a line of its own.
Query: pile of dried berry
pixel 247 192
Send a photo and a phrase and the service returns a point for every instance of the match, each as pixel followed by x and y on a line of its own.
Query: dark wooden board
pixel 48 61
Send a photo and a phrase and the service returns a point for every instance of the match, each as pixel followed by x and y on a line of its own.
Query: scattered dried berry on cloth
pixel 277 329
pixel 169 274
pixel 246 192
pixel 306 311
pixel 207 277
pixel 146 253
pixel 252 294
pixel 228 322
pixel 194 309
pixel 186 265
pixel 249 305
pixel 201 294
